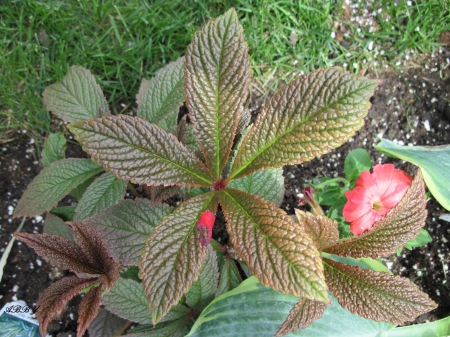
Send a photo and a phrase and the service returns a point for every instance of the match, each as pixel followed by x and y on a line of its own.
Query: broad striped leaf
pixel 266 184
pixel 77 97
pixel 173 255
pixel 136 150
pixel 159 99
pixel 54 183
pixel 322 230
pixel 229 277
pixel 54 149
pixel 217 76
pixel 311 116
pixel 127 300
pixel 126 226
pixel 278 252
pixel 105 191
pixel 401 224
pixel 376 295
pixel 203 291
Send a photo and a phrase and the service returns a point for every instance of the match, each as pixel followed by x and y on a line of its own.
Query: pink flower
pixel 374 195
pixel 204 226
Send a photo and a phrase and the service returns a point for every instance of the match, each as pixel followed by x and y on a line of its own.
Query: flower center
pixel 377 206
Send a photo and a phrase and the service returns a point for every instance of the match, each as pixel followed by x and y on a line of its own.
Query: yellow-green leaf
pixel 217 76
pixel 311 116
pixel 278 251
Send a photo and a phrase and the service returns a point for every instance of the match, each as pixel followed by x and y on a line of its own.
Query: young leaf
pixel 301 316
pixel 77 97
pixel 159 99
pixel 53 299
pixel 276 249
pixel 322 230
pixel 217 77
pixel 78 191
pixel 266 184
pixel 173 255
pixel 203 290
pixel 401 224
pixel 375 295
pixel 136 150
pixel 106 324
pixel 311 116
pixel 59 251
pixel 126 226
pixel 88 309
pixel 105 191
pixel 127 300
pixel 53 183
pixel 56 226
pixel 64 212
pixel 54 149
pixel 356 162
pixel 434 162
pixel 229 277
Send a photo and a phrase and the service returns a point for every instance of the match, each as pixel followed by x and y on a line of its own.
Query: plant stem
pixel 338 179
pixel 133 190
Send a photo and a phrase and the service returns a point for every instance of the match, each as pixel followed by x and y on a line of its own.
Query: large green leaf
pixel 434 162
pixel 356 162
pixel 266 184
pixel 159 99
pixel 276 249
pixel 54 149
pixel 173 255
pixel 126 226
pixel 54 183
pixel 437 328
pixel 376 295
pixel 217 76
pixel 252 310
pixel 136 150
pixel 311 116
pixel 127 300
pixel 105 191
pixel 401 224
pixel 77 97
pixel 56 226
pixel 203 291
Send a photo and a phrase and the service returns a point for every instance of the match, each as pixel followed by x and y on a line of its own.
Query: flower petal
pixel 365 222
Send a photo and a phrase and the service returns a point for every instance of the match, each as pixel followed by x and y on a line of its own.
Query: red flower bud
pixel 204 226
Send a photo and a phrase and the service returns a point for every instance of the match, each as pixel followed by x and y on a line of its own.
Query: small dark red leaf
pixel 53 299
pixel 88 310
pixel 204 226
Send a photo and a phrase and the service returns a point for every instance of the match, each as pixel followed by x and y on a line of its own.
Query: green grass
pixel 123 41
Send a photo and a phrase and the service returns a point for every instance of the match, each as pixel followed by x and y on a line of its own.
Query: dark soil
pixel 411 107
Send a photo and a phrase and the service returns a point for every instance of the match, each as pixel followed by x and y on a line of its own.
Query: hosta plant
pixel 230 166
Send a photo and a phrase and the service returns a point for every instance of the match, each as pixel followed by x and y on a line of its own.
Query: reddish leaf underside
pixel 88 310
pixel 401 224
pixel 322 230
pixel 376 295
pixel 301 316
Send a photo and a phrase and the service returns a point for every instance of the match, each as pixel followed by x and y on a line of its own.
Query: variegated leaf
pixel 54 183
pixel 301 316
pixel 159 99
pixel 322 230
pixel 401 224
pixel 217 76
pixel 77 97
pixel 173 255
pixel 136 150
pixel 376 295
pixel 278 252
pixel 126 226
pixel 88 309
pixel 311 116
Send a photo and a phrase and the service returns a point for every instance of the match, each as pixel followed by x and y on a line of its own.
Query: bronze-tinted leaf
pixel 311 116
pixel 159 194
pixel 301 316
pixel 217 76
pixel 172 257
pixel 59 252
pixel 278 252
pixel 401 224
pixel 135 150
pixel 88 310
pixel 53 299
pixel 322 230
pixel 376 295
pixel 106 324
